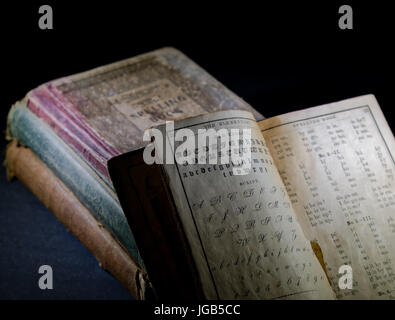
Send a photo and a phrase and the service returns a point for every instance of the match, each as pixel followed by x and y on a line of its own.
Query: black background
pixel 278 57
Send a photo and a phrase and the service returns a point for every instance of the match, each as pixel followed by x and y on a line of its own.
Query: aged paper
pixel 244 237
pixel 337 164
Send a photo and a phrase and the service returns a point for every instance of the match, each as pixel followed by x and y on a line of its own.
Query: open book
pixel 319 194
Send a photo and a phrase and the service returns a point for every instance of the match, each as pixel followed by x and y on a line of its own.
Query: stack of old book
pixel 63 133
pixel 309 214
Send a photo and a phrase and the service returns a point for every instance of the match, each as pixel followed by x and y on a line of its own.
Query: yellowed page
pixel 242 231
pixel 337 164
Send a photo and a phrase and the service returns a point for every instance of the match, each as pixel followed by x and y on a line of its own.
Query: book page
pixel 337 164
pixel 241 228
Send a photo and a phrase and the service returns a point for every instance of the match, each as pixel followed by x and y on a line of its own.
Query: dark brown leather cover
pixel 149 207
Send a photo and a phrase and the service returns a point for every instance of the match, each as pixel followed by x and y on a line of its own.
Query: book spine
pixel 50 190
pixel 87 186
pixel 67 133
